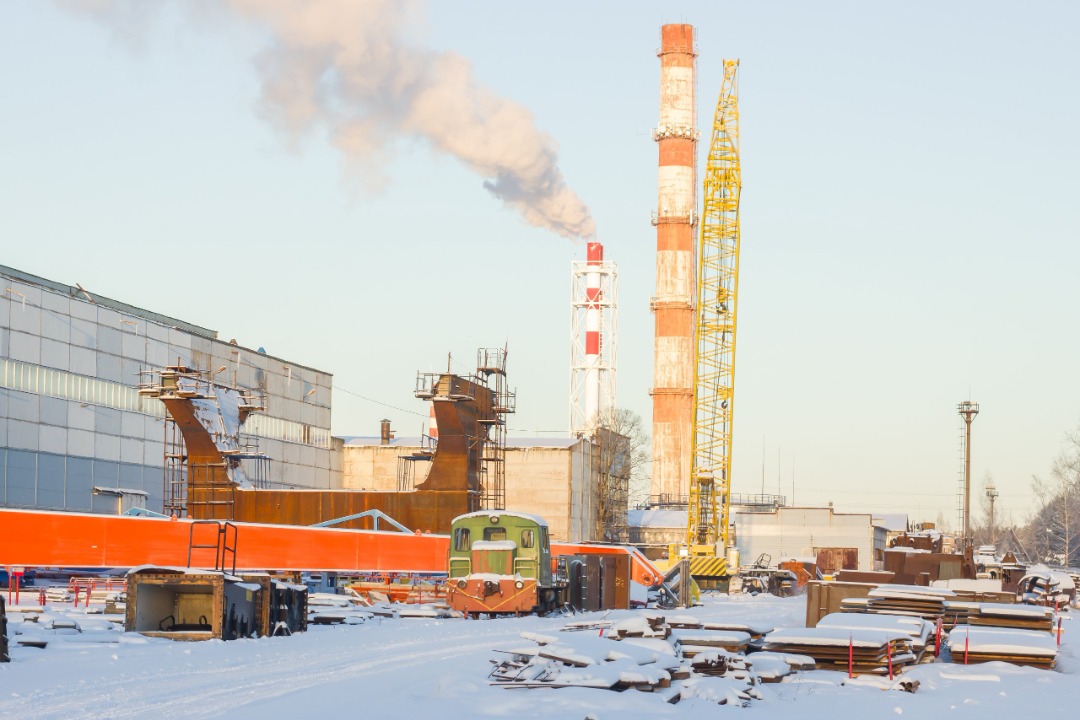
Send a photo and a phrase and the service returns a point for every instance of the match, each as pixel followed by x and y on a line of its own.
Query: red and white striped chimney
pixel 673 378
pixel 594 259
pixel 433 427
pixel 594 293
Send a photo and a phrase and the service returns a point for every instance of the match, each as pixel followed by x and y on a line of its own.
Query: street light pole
pixel 968 410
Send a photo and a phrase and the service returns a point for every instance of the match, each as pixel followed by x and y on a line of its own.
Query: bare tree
pixel 1053 534
pixel 622 455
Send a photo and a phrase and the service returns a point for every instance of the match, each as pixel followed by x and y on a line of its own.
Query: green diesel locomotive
pixel 500 563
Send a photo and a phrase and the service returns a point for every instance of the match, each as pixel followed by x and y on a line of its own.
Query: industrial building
pixel 557 478
pixel 656 527
pixel 83 421
pixel 763 525
pixel 834 541
pixel 75 434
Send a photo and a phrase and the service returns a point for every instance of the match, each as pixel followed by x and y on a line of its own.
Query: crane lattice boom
pixel 717 302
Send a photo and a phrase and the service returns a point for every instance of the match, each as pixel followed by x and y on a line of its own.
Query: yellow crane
pixel 714 362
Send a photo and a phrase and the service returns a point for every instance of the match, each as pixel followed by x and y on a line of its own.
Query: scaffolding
pixel 407 472
pixel 490 400
pixel 491 367
pixel 206 481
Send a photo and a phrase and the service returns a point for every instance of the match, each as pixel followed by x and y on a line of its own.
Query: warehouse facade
pixel 76 435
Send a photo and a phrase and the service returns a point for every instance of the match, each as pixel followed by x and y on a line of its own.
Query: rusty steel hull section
pixel 429 512
pixel 463 408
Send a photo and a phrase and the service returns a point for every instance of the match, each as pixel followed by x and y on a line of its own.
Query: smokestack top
pixel 385 435
pixel 594 253
pixel 677 39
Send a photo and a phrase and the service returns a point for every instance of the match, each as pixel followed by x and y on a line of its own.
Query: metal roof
pixel 76 293
pixel 86 296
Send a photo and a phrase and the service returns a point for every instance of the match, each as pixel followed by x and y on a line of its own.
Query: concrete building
pixel 810 533
pixel 76 435
pixel 655 528
pixel 555 478
pixel 762 525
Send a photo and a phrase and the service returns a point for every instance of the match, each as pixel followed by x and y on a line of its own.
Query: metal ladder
pixel 221 545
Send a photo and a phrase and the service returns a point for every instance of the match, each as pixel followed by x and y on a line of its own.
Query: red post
pixel 888 652
pixel 76 594
pixel 937 639
pixel 41 597
pixel 850 657
pixel 1059 631
pixel 967 640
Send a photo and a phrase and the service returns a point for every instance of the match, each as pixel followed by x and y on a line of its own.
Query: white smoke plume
pixel 349 66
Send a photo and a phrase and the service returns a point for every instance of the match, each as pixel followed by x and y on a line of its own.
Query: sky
pixel 908 239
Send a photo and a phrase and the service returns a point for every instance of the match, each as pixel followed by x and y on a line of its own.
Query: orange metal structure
pixel 52 539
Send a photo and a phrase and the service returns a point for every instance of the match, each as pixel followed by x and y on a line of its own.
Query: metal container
pixel 192 605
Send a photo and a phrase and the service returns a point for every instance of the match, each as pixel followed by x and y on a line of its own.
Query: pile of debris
pixel 37 627
pixel 354 609
pixel 1043 586
pixel 676 657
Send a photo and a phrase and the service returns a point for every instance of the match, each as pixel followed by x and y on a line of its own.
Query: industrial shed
pixel 555 478
pixel 836 541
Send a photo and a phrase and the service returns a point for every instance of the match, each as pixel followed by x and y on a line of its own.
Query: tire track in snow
pixel 209 685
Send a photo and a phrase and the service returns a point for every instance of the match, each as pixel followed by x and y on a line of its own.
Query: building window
pixel 39 380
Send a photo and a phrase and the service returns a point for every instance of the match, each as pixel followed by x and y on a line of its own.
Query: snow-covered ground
pixel 410 668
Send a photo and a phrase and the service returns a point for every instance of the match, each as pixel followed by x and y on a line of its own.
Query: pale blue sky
pixel 909 231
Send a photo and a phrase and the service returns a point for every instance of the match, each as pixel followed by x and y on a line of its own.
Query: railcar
pixel 500 563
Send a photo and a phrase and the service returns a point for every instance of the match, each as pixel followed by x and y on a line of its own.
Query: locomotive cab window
pixel 461 539
pixel 543 538
pixel 527 539
pixel 494 533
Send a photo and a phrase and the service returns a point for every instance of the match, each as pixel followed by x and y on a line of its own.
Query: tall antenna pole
pixel 991 495
pixel 968 410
